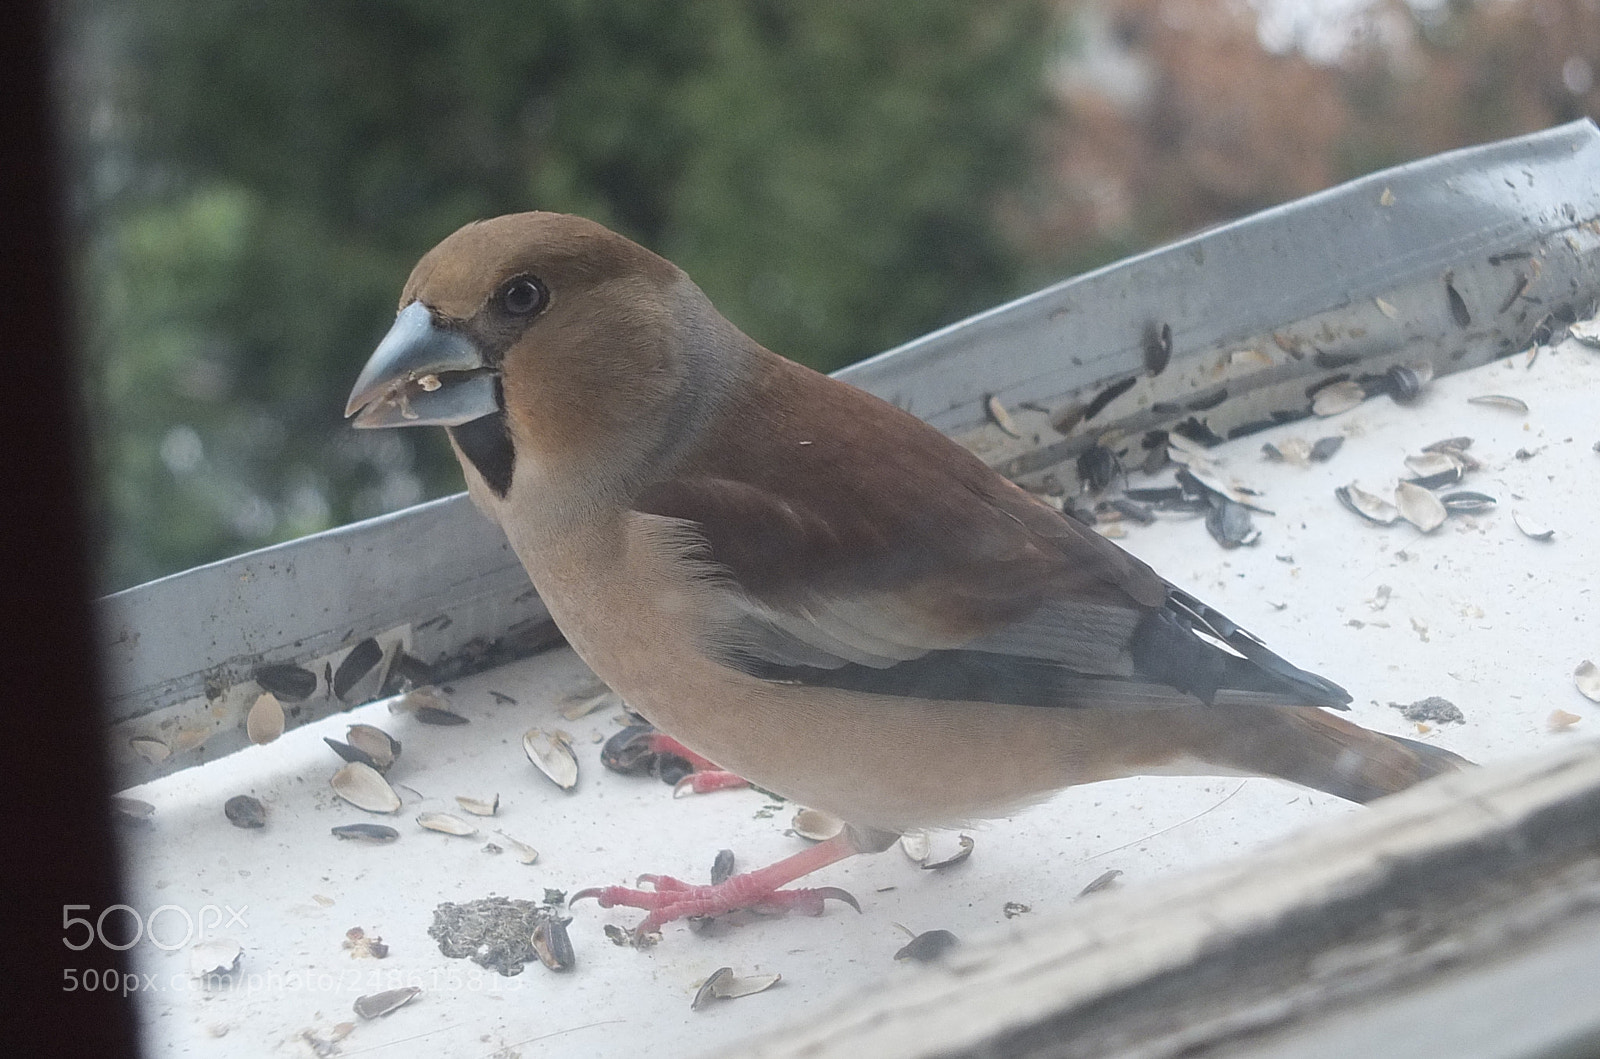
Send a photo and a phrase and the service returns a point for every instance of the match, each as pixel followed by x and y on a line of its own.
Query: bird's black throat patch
pixel 487 443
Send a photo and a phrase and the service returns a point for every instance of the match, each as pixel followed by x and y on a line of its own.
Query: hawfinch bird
pixel 809 586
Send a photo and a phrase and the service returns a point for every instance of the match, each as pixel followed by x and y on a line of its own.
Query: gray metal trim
pixel 1358 271
pixel 1225 287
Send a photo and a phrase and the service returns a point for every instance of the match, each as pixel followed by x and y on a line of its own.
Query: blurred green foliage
pixel 252 183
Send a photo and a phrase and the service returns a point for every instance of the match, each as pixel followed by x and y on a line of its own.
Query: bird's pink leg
pixel 708 781
pixel 673 899
pixel 706 776
pixel 661 743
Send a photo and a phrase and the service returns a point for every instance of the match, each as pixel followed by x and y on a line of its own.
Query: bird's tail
pixel 1323 751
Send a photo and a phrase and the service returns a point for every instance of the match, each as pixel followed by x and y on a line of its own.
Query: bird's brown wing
pixel 856 547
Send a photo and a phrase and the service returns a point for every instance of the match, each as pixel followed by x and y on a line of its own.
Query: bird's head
pixel 584 343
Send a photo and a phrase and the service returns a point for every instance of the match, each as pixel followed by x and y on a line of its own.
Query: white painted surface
pixel 1477 613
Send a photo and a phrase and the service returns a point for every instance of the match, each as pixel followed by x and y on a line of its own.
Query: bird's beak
pixel 422 374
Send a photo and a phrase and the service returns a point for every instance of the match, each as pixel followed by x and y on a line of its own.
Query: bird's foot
pixel 760 891
pixel 670 899
pixel 708 781
pixel 640 749
pixel 662 744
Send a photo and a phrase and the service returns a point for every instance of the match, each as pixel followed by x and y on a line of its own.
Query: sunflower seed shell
pixel 1419 507
pixel 444 822
pixel 816 825
pixel 376 1005
pixel 365 788
pixel 1587 678
pixel 553 756
pixel 264 722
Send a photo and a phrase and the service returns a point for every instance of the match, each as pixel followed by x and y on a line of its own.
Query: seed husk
pixel 1133 510
pixel 1437 481
pixel 355 665
pixel 918 845
pixel 348 752
pixel 1369 506
pixel 1406 381
pixel 1560 720
pixel 1455 446
pixel 1587 678
pixel 1458 304
pixel 376 1005
pixel 1202 480
pixel 1337 398
pixel 152 750
pixel 553 756
pixel 1434 464
pixel 1160 495
pixel 552 944
pixel 584 707
pixel 1532 527
pixel 1098 467
pixel 1500 400
pixel 1157 347
pixel 379 748
pixel 446 824
pixel 1323 449
pixel 734 986
pixel 420 698
pixel 628 751
pixel 189 738
pixel 1419 507
pixel 964 851
pixel 440 718
pixel 366 832
pixel 477 806
pixel 363 946
pixel 1466 503
pixel 725 985
pixel 1185 450
pixel 1290 450
pixel 1098 403
pixel 1586 332
pixel 132 808
pixel 929 945
pixel 1063 419
pixel 708 989
pixel 245 811
pixel 1000 417
pixel 816 825
pixel 1103 881
pixel 264 722
pixel 214 957
pixel 525 853
pixel 1229 524
pixel 365 788
pixel 722 867
pixel 290 683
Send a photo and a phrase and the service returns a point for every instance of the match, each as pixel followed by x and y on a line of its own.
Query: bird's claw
pixel 672 899
pixel 708 781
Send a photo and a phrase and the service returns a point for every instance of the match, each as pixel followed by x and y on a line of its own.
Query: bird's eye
pixel 522 296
